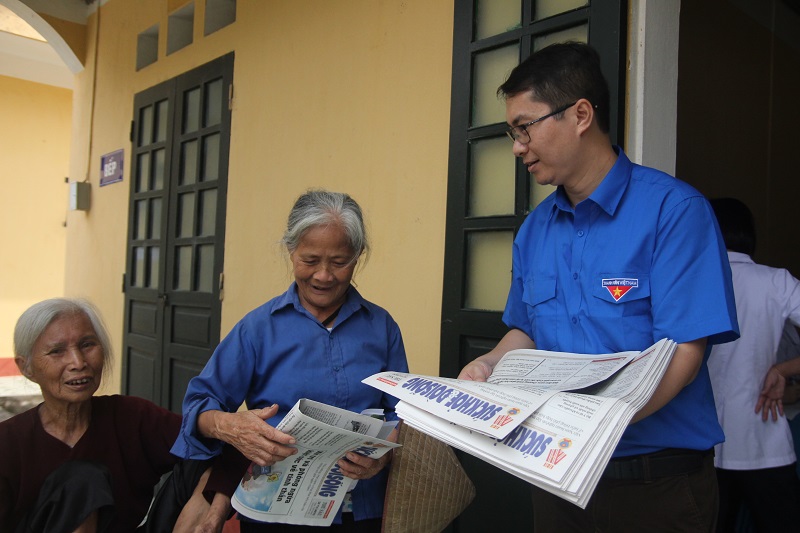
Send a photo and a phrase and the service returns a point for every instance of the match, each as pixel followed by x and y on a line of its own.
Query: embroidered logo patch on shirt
pixel 619 286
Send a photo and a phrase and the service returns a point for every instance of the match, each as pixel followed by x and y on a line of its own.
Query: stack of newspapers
pixel 550 418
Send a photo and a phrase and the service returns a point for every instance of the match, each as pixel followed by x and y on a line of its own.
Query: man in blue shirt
pixel 617 258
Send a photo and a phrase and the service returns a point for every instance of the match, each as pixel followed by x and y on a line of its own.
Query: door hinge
pixel 221 286
pixel 230 97
pixel 123 282
pixel 133 127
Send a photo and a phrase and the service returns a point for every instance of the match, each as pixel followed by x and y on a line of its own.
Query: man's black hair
pixel 560 74
pixel 736 223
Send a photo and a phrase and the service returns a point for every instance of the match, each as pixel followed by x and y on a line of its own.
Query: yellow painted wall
pixel 352 95
pixel 34 151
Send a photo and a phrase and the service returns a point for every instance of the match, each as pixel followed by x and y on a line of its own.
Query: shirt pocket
pixel 539 295
pixel 624 321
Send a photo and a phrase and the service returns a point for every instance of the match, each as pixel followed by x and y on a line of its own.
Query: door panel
pixel 195 245
pixel 490 193
pixel 176 231
pixel 146 234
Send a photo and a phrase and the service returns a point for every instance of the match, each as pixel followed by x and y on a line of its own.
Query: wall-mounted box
pixel 79 195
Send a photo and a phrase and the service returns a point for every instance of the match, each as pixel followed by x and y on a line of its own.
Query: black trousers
pixel 175 491
pixel 771 495
pixel 68 496
pixel 685 502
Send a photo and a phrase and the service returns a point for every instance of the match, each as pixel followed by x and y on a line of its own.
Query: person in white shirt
pixel 756 463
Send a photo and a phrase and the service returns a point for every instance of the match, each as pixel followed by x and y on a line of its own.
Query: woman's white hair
pixel 318 207
pixel 32 323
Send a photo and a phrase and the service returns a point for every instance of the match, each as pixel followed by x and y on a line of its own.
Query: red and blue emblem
pixel 618 287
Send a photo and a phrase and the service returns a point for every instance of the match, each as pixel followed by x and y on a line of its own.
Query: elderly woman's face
pixel 67 360
pixel 323 267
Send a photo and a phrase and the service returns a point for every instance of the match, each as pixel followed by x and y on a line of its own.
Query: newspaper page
pixel 483 407
pixel 556 370
pixel 521 382
pixel 308 488
pixel 565 445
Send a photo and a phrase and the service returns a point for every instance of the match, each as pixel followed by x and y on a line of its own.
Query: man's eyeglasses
pixel 520 133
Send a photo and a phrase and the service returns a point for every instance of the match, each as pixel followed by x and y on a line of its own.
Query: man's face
pixel 548 155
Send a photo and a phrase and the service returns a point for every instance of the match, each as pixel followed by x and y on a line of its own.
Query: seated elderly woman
pixel 80 462
pixel 317 340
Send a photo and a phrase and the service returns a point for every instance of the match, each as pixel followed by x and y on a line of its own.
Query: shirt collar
pixel 609 193
pixel 738 257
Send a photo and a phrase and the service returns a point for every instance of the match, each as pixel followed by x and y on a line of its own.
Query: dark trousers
pixel 173 494
pixel 76 489
pixel 685 502
pixel 348 525
pixel 68 496
pixel 771 496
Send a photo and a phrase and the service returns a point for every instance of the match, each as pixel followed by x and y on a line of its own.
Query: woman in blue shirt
pixel 317 340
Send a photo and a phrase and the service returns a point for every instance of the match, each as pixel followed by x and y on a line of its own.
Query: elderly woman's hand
pixel 247 431
pixel 198 516
pixel 357 466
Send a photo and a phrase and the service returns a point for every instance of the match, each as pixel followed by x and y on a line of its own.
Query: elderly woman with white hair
pixel 80 462
pixel 317 340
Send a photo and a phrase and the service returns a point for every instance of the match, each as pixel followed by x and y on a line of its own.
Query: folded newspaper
pixel 550 418
pixel 308 488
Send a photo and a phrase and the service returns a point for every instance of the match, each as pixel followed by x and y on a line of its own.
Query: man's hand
pixel 481 368
pixel 247 431
pixel 770 400
pixel 477 370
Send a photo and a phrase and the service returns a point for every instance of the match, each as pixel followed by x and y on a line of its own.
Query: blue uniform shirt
pixel 639 260
pixel 279 353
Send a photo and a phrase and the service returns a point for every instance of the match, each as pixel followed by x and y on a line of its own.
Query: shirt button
pixel 574 320
pixel 575 275
pixel 336 369
pixel 580 233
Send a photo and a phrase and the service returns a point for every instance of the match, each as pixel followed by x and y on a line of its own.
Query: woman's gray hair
pixel 318 207
pixel 32 323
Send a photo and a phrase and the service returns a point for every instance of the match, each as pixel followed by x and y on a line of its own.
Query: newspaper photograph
pixel 308 488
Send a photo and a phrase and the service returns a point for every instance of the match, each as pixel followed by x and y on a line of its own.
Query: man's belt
pixel 664 463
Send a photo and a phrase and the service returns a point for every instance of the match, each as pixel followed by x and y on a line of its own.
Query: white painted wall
pixel 652 83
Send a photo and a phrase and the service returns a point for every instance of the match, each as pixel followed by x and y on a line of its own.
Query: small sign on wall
pixel 111 167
